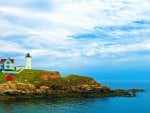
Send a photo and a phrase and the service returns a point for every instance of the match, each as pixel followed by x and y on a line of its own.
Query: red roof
pixel 3 60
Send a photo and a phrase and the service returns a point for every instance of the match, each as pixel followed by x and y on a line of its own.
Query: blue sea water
pixel 139 104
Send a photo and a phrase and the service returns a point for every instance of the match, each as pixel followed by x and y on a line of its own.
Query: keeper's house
pixel 7 64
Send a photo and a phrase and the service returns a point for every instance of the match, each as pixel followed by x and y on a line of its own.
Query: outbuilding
pixel 9 77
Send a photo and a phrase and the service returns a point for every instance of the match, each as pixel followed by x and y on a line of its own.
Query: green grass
pixel 33 77
pixel 77 79
pixel 2 78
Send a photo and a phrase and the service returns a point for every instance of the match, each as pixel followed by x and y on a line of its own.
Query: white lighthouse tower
pixel 28 61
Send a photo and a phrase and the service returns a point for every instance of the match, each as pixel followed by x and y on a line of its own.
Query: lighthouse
pixel 28 61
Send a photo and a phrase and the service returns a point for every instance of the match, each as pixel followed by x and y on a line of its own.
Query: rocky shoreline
pixel 22 90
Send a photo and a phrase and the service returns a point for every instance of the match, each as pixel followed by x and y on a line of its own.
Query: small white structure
pixel 28 61
pixel 19 68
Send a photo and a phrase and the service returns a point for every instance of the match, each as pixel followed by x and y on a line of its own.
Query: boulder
pixel 44 88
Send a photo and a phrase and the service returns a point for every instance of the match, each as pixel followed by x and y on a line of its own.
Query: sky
pixel 103 39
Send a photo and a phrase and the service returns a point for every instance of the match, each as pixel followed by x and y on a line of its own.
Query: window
pixel 2 66
pixel 8 66
pixel 7 62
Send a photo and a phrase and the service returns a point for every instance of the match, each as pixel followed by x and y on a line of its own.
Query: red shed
pixel 9 77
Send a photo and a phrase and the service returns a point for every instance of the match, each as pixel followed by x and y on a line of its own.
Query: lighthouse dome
pixel 28 55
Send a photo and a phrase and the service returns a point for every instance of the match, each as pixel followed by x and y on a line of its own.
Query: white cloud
pixel 48 33
pixel 10 47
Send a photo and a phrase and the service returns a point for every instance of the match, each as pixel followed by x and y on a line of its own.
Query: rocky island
pixel 50 84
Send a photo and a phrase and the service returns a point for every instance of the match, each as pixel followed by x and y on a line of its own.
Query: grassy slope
pixel 33 77
pixel 2 77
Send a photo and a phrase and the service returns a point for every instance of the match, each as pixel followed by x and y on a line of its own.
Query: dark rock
pixel 93 89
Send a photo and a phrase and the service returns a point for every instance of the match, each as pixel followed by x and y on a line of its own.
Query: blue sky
pixel 104 39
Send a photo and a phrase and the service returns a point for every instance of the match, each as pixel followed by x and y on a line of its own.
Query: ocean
pixel 138 104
